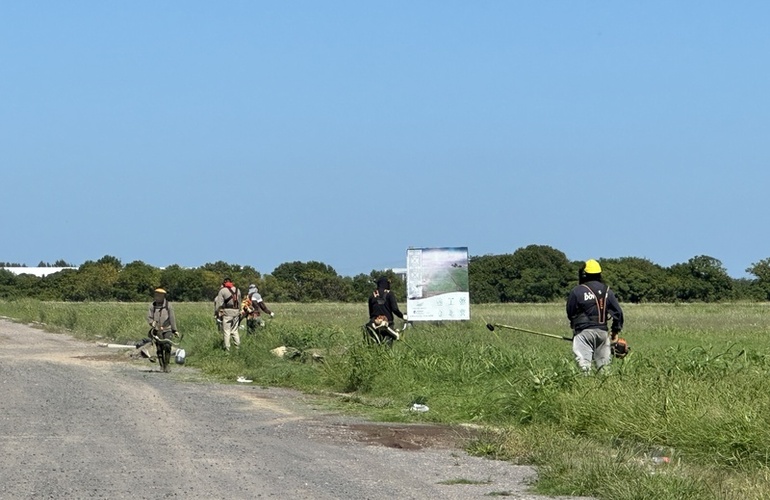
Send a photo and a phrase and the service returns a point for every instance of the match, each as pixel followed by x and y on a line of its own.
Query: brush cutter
pixel 163 348
pixel 382 333
pixel 492 327
pixel 619 347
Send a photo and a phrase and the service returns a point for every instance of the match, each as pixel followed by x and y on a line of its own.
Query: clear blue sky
pixel 263 132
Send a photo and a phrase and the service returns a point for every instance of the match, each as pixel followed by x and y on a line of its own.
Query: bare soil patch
pixel 412 436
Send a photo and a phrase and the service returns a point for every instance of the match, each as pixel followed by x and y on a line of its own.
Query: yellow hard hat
pixel 592 267
pixel 160 290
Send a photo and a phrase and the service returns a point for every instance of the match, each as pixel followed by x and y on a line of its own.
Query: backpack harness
pixel 233 297
pixel 601 306
pixel 155 309
pixel 381 299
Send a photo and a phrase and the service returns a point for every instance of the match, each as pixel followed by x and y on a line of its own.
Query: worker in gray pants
pixel 590 304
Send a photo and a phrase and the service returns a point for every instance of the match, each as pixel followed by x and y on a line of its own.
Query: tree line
pixel 535 273
pixel 58 263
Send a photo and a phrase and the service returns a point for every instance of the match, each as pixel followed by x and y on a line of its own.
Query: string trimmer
pixel 492 327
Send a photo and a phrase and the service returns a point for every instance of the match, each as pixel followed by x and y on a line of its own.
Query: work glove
pixel 405 318
pixel 272 315
pixel 154 325
pixel 176 334
pixel 614 337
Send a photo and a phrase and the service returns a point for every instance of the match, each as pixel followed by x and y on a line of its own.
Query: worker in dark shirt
pixel 589 306
pixel 382 308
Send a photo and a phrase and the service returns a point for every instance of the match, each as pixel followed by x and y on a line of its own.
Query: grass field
pixel 693 392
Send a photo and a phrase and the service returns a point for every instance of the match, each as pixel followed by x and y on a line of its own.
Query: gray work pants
pixel 591 345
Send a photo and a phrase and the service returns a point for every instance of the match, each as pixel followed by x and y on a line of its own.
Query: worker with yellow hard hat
pixel 162 321
pixel 589 306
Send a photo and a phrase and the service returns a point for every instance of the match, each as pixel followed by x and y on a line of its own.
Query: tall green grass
pixel 693 388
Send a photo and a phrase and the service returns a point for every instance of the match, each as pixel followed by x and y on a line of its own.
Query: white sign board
pixel 437 284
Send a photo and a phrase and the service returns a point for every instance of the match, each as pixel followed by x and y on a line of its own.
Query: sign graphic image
pixel 437 284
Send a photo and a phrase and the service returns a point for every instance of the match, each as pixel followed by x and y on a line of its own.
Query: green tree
pixel 761 270
pixel 634 279
pixel 136 281
pixel 190 285
pixel 8 289
pixel 488 276
pixel 95 281
pixel 311 282
pixel 748 289
pixel 224 270
pixel 536 273
pixel 28 285
pixel 361 286
pixel 59 286
pixel 541 274
pixel 109 260
pixel 242 276
pixel 702 278
pixel 274 289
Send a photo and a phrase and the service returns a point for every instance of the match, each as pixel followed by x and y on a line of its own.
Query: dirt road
pixel 82 421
